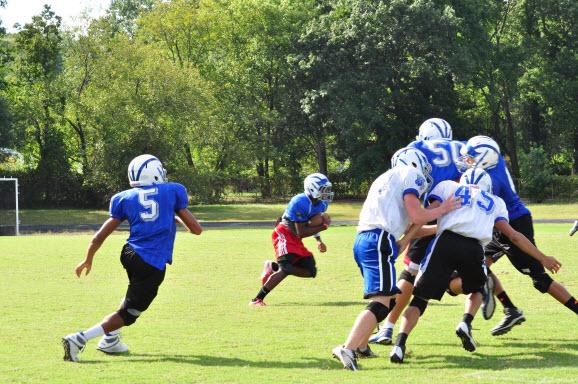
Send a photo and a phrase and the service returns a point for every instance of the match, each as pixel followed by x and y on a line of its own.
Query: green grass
pixel 200 329
pixel 340 210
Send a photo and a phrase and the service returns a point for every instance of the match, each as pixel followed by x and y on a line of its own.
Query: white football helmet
pixel 414 158
pixel 481 152
pixel 146 170
pixel 318 186
pixel 434 128
pixel 479 177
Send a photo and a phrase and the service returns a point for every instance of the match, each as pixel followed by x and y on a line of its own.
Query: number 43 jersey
pixel 477 215
pixel 150 211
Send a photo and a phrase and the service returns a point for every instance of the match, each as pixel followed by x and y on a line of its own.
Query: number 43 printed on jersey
pixel 465 193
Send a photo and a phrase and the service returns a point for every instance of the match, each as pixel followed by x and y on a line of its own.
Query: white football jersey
pixel 383 208
pixel 476 217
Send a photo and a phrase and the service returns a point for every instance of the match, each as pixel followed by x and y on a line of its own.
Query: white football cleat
pixel 73 344
pixel 112 344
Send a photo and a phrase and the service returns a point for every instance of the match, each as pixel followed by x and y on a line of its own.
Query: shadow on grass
pixel 361 303
pixel 532 354
pixel 219 361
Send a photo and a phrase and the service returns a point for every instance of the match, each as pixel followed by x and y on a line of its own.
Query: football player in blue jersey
pixel 150 208
pixel 392 204
pixel 483 152
pixel 458 245
pixel 434 140
pixel 293 258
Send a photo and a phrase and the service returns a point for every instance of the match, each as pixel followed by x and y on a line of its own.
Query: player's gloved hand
pixel 551 264
pixel 82 266
pixel 321 247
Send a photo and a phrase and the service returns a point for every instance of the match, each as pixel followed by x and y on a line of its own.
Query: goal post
pixel 16 208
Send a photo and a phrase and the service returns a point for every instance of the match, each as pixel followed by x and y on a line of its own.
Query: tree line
pixel 246 95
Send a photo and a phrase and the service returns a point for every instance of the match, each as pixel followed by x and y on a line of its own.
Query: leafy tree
pixel 38 105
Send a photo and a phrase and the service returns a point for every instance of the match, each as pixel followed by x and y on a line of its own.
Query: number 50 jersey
pixel 442 155
pixel 476 217
pixel 150 211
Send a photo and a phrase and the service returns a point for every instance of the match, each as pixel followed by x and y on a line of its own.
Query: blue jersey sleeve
pixel 298 209
pixel 117 208
pixel 182 198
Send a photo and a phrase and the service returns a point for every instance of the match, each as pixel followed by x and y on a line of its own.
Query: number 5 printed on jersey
pixel 145 199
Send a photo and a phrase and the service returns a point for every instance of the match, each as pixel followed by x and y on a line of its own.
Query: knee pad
pixel 419 303
pixel 313 271
pixel 287 268
pixel 129 315
pixel 542 282
pixel 407 276
pixel 379 310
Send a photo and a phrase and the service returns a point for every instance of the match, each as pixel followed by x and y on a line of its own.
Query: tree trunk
pixel 189 156
pixel 322 154
pixel 575 153
pixel 511 135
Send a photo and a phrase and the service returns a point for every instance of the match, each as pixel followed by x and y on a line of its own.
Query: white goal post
pixel 15 180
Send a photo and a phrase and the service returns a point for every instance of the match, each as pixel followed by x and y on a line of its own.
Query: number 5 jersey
pixel 150 211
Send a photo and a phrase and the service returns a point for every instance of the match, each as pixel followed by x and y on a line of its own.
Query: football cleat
pixel 257 303
pixel 112 344
pixel 365 354
pixel 488 300
pixel 397 354
pixel 346 356
pixel 267 271
pixel 383 336
pixel 512 317
pixel 73 344
pixel 464 332
pixel 574 228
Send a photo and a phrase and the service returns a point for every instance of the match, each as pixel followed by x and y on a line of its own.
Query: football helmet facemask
pixel 318 186
pixel 481 152
pixel 146 170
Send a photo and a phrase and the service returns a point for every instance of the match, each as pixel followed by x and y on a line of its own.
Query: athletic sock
pixel 401 339
pixel 113 333
pixel 93 332
pixel 505 300
pixel 572 304
pixel 262 293
pixel 388 325
pixel 468 319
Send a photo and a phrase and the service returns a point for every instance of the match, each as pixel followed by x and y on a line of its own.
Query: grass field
pixel 340 210
pixel 200 329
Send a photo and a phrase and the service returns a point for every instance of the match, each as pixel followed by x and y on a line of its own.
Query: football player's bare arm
pixel 413 232
pixel 304 230
pixel 421 216
pixel 99 237
pixel 522 242
pixel 186 218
